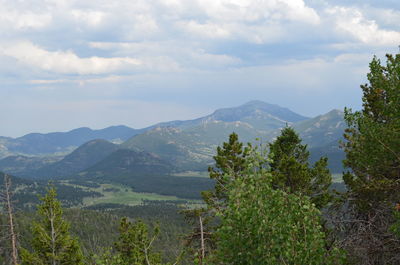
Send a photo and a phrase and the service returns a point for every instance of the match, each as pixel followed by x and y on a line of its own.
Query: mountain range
pixel 165 148
pixel 62 142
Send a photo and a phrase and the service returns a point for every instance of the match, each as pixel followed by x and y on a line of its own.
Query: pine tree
pixel 373 137
pixel 373 154
pixel 52 243
pixel 291 171
pixel 229 164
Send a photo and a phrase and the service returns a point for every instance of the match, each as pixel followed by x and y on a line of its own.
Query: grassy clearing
pixel 120 194
pixel 199 174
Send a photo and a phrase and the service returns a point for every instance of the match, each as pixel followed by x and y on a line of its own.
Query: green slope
pixel 128 162
pixel 85 156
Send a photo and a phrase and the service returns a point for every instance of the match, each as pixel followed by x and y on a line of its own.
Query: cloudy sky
pixel 69 63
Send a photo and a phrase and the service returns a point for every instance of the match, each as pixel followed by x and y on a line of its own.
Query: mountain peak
pixel 336 111
pixel 257 110
pixel 258 103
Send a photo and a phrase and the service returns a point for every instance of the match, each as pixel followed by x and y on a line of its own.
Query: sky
pixel 95 63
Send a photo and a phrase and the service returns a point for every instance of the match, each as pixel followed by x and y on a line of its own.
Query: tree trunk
pixel 202 239
pixel 13 236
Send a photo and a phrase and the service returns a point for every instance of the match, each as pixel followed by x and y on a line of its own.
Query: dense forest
pixel 269 204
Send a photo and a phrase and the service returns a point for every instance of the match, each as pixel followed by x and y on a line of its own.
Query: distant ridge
pixel 58 142
pixel 187 145
pixel 256 113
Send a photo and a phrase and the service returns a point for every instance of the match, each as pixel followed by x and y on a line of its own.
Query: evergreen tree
pixel 229 164
pixel 52 244
pixel 373 142
pixel 291 171
pixel 373 154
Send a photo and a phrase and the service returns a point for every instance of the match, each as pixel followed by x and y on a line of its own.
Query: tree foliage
pixel 52 243
pixel 263 225
pixel 291 171
pixel 133 246
pixel 134 243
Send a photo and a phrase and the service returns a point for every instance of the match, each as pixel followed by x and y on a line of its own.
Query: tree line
pixel 269 204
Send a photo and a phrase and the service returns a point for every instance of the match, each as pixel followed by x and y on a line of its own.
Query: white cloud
pixel 296 10
pixel 209 30
pixel 213 60
pixel 353 58
pixel 79 81
pixel 23 20
pixel 91 18
pixel 252 11
pixel 352 21
pixel 252 21
pixel 66 62
pixel 384 16
pixel 186 56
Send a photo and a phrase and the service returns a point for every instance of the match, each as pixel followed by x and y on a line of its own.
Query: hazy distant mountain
pixel 188 145
pixel 192 147
pixel 260 115
pixel 191 144
pixel 257 114
pixel 83 157
pixel 58 142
